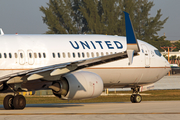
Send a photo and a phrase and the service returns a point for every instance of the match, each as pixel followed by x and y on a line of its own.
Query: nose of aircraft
pixel 167 64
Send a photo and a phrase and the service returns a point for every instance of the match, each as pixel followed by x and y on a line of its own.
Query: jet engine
pixel 78 85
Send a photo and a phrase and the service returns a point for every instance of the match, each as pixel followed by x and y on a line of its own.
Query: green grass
pixel 154 95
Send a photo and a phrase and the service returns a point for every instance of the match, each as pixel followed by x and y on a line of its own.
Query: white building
pixel 177 53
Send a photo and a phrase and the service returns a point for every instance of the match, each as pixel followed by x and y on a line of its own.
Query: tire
pixel 19 102
pixel 132 98
pixel 8 102
pixel 137 98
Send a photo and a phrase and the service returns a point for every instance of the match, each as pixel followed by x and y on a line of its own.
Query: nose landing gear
pixel 14 102
pixel 135 97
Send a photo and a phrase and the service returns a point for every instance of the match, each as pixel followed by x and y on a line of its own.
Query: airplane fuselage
pixel 25 52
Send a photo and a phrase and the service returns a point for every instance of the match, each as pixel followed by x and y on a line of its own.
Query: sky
pixel 24 17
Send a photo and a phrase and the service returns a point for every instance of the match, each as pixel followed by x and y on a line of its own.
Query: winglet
pixel 132 43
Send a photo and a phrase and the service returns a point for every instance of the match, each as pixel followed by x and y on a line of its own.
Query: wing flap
pixel 59 71
pixel 35 77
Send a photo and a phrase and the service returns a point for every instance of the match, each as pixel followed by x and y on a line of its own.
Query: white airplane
pixel 77 66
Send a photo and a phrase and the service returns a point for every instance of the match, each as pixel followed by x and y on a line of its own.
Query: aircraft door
pixel 30 57
pixel 146 54
pixel 21 56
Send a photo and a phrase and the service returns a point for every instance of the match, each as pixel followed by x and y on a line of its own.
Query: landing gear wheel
pixel 19 102
pixel 132 98
pixel 137 98
pixel 8 102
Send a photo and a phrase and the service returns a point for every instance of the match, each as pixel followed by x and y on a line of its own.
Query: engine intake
pixel 60 88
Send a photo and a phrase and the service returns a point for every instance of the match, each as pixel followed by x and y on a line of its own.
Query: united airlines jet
pixel 77 66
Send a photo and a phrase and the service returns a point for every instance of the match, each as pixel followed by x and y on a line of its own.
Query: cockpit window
pixel 157 53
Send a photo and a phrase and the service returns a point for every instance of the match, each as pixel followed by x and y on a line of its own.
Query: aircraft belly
pixel 129 77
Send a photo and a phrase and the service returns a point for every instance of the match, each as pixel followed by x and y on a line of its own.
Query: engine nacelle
pixel 81 85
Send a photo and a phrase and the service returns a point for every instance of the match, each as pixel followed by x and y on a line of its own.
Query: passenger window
pixel 64 55
pixel 21 55
pixel 15 54
pixel 107 53
pixel 87 54
pixel 83 55
pixel 79 55
pixel 102 54
pixel 44 55
pixel 10 56
pixel 74 55
pixel 5 56
pixel 53 55
pixel 92 54
pixel 58 55
pixel 97 54
pixel 30 55
pixel 111 53
pixel 35 55
pixel 69 55
pixel 39 55
pixel 0 55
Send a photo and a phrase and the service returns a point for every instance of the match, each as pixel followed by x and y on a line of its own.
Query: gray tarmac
pixel 146 110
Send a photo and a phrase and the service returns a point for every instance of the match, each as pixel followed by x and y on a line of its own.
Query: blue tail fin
pixel 132 43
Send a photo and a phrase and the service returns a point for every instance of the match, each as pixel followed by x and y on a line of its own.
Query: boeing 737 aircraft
pixel 77 66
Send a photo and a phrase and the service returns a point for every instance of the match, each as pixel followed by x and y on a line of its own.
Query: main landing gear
pixel 14 102
pixel 135 97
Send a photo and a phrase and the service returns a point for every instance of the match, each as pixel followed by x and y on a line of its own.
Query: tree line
pixel 104 17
